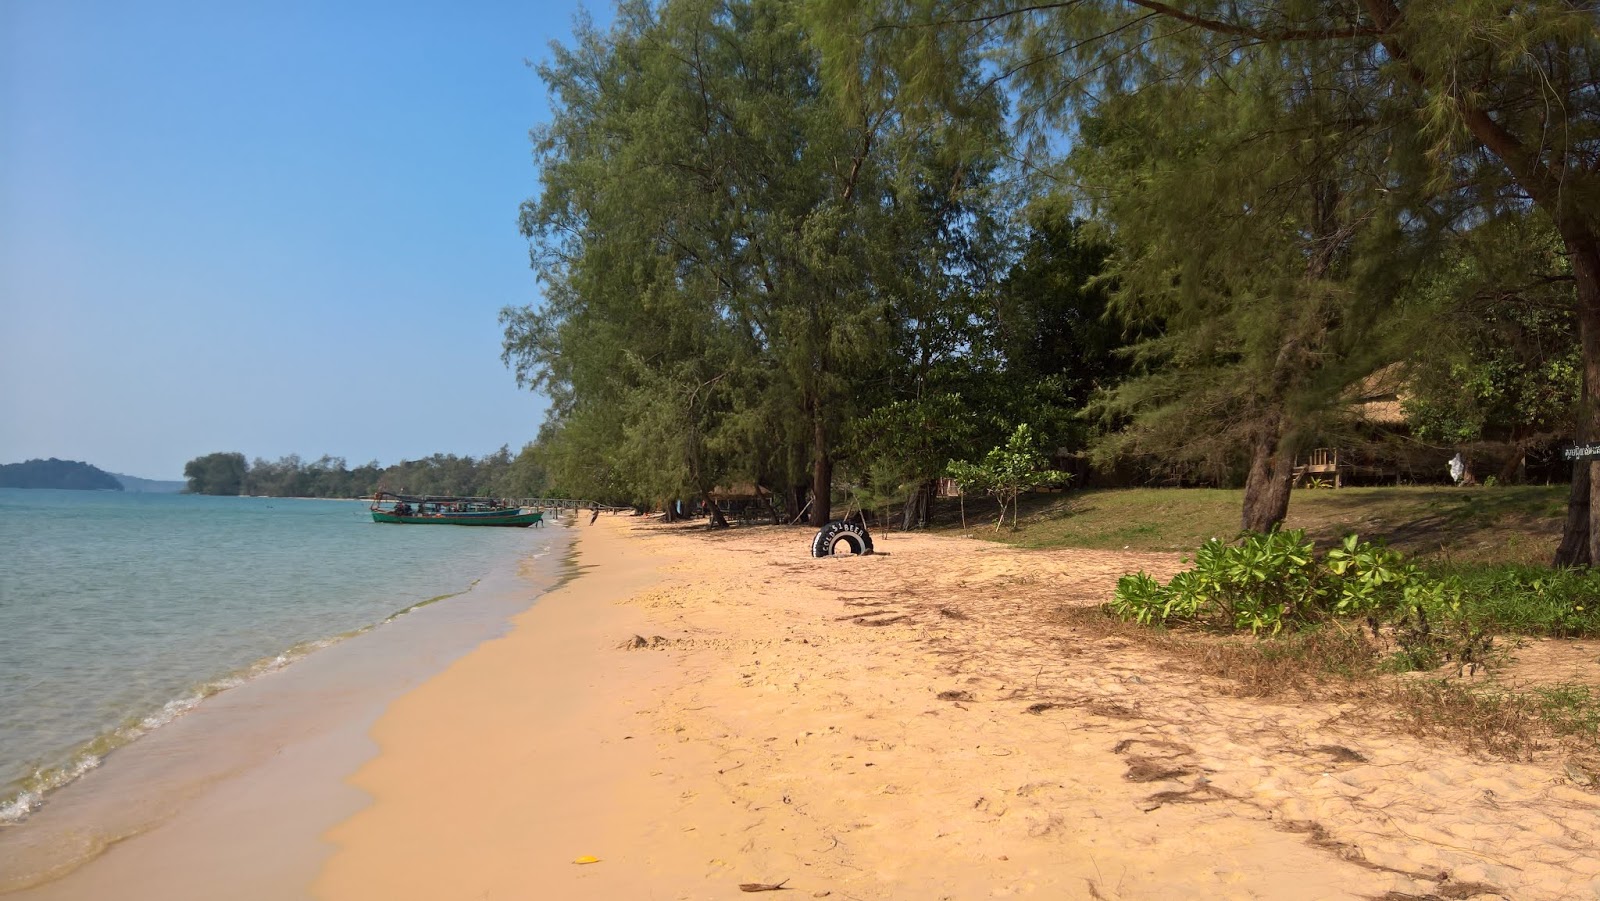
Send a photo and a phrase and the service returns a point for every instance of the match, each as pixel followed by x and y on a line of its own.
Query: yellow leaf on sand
pixel 587 859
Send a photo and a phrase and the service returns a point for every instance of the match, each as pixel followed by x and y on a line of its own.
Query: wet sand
pixel 915 724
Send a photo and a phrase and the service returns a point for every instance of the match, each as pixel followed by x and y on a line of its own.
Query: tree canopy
pixel 219 473
pixel 827 247
pixel 738 261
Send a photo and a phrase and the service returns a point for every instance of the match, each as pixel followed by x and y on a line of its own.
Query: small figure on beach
pixel 596 514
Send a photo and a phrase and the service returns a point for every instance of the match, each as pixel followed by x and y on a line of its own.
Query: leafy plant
pixel 1368 576
pixel 1005 473
pixel 1528 600
pixel 1268 581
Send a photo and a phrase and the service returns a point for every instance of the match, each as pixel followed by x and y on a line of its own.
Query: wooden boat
pixel 450 511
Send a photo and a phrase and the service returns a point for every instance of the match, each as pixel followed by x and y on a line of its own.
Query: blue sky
pixel 266 227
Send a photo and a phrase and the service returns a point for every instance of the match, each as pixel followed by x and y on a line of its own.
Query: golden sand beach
pixel 917 724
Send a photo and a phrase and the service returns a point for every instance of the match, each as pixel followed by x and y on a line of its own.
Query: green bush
pixel 1269 581
pixel 1526 600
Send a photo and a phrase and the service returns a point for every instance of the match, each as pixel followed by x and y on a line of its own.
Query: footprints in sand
pixel 1011 753
pixel 873 613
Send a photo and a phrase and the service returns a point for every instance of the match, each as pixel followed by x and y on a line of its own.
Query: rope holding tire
pixel 837 533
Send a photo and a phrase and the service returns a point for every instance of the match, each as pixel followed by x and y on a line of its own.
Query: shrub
pixel 1527 600
pixel 1269 581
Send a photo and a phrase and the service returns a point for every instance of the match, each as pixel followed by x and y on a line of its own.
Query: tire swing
pixel 837 533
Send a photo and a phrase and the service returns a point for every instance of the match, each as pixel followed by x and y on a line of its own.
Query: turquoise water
pixel 119 612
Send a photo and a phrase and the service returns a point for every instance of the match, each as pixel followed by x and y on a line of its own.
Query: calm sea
pixel 119 612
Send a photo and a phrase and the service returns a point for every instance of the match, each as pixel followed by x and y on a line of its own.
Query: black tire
pixel 838 533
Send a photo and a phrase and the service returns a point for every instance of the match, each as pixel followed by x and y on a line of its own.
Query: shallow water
pixel 120 612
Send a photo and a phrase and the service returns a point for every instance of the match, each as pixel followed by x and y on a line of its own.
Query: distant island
pixel 53 473
pixel 150 486
pixel 499 474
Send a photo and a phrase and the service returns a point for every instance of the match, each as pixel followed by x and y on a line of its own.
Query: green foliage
pixel 1051 329
pixel 54 473
pixel 492 475
pixel 448 474
pixel 219 473
pixel 740 259
pixel 1524 600
pixel 1268 582
pixel 1282 179
pixel 1007 471
pixel 904 444
pixel 1570 709
pixel 1428 641
pixel 1493 353
pixel 527 476
pixel 1268 317
pixel 1366 577
pixel 775 246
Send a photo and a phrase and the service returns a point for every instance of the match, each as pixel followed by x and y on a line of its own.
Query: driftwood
pixel 762 886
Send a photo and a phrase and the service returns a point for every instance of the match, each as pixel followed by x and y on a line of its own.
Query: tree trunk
pixel 671 514
pixel 713 512
pixel 1513 466
pixel 915 514
pixel 1580 538
pixel 1266 490
pixel 795 502
pixel 1574 549
pixel 821 473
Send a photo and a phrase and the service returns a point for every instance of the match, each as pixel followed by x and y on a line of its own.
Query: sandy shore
pixel 915 724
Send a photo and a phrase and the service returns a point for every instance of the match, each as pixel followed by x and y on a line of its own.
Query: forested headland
pixel 53 473
pixel 499 474
pixel 827 248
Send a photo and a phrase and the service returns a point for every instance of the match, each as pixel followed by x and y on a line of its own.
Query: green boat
pixel 450 511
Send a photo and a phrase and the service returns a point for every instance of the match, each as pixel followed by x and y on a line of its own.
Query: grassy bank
pixel 1487 548
pixel 1519 524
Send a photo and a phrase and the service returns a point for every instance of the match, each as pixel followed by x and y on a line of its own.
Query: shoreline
pixel 278 735
pixel 915 724
pixel 92 754
pixel 546 749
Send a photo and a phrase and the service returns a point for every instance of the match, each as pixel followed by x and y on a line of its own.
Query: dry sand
pixel 909 725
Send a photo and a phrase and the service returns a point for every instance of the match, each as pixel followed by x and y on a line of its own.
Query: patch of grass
pixel 1513 524
pixel 1141 519
pixel 1518 599
pixel 1497 722
pixel 1296 662
pixel 1569 709
pixel 1506 723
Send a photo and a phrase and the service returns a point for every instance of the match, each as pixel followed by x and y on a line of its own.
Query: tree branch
pixel 1246 31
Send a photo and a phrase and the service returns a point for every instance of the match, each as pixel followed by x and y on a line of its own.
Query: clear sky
pixel 270 227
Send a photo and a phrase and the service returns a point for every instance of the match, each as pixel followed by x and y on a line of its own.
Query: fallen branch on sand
pixel 762 886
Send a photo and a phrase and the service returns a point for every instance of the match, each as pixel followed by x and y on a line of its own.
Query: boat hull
pixel 514 520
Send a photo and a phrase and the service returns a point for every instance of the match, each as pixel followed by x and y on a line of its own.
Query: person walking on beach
pixel 596 514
